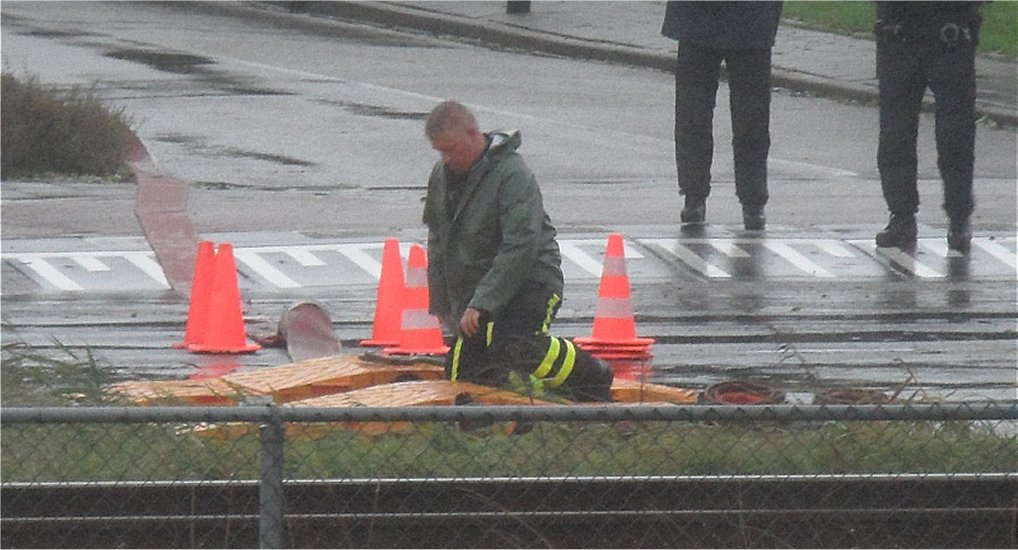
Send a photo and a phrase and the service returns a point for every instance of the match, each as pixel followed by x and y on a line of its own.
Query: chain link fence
pixel 915 475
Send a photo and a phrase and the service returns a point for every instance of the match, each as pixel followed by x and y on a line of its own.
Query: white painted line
pixel 304 257
pixel 265 269
pixel 628 251
pixel 997 251
pixel 89 261
pixel 576 255
pixel 796 259
pixel 49 273
pixel 939 247
pixel 355 253
pixel 908 263
pixel 145 262
pixel 728 248
pixel 833 248
pixel 690 258
pixel 838 172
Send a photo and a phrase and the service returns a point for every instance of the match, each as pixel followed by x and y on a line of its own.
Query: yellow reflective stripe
pixel 552 302
pixel 567 366
pixel 456 358
pixel 489 331
pixel 549 359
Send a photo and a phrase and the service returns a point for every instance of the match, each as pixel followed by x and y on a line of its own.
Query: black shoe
pixel 753 218
pixel 959 235
pixel 695 210
pixel 900 232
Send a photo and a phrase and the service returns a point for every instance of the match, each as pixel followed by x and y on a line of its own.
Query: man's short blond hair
pixel 448 115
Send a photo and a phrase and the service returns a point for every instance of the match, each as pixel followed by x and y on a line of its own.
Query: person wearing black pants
pixel 920 45
pixel 740 34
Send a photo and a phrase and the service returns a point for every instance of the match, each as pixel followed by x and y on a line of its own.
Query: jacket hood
pixel 503 141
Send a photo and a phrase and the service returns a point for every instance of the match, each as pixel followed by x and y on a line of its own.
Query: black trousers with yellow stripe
pixel 517 340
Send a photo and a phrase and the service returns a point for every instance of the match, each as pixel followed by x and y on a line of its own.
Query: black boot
pixel 753 218
pixel 959 235
pixel 900 232
pixel 695 210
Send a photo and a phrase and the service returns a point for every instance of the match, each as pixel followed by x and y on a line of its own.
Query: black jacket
pixel 723 25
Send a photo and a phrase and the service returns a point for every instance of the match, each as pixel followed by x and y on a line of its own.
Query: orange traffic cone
pixel 201 294
pixel 420 332
pixel 389 303
pixel 614 335
pixel 225 330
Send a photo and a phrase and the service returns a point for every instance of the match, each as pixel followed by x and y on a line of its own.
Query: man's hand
pixel 470 323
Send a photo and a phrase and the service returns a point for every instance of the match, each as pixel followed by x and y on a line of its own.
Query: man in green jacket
pixel 494 267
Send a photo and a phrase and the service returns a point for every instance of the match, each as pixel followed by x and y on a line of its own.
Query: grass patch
pixel 45 131
pixel 36 379
pixel 39 452
pixel 996 37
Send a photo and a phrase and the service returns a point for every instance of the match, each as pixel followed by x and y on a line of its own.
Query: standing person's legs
pixel 696 85
pixel 900 97
pixel 953 81
pixel 749 82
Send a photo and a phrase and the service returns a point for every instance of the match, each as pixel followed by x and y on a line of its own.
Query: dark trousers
pixel 528 315
pixel 517 340
pixel 696 85
pixel 905 69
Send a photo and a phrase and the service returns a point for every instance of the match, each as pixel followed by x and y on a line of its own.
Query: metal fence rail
pixel 914 475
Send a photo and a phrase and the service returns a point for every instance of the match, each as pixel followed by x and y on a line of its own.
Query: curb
pixel 418 18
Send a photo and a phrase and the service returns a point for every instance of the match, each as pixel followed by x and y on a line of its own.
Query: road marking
pixel 90 262
pixel 939 247
pixel 690 258
pixel 728 248
pixel 905 261
pixel 356 254
pixel 999 252
pixel 147 264
pixel 49 273
pixel 833 248
pixel 583 258
pixel 304 257
pixel 264 269
pixel 796 259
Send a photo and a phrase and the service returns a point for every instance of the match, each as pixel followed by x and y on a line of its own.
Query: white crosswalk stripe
pixel 317 264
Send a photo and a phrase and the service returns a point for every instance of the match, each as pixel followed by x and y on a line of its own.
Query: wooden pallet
pixel 399 394
pixel 286 383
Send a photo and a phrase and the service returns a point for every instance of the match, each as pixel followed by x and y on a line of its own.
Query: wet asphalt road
pixel 297 133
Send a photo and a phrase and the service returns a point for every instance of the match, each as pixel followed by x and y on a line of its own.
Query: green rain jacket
pixel 495 240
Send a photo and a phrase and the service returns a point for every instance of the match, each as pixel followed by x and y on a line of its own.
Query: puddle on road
pixel 378 111
pixel 179 63
pixel 267 157
pixel 196 66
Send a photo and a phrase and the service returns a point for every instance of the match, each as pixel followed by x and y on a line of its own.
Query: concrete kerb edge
pixel 419 18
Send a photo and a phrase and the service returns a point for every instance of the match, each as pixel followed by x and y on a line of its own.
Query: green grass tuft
pixel 45 131
pixel 997 35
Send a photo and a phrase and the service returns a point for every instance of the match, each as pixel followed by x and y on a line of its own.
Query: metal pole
pixel 270 487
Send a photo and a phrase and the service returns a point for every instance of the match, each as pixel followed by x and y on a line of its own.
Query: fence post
pixel 270 485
